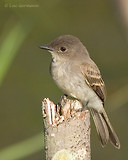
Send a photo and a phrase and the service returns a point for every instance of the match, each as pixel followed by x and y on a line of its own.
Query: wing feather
pixel 94 80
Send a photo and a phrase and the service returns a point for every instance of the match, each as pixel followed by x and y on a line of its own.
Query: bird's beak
pixel 46 48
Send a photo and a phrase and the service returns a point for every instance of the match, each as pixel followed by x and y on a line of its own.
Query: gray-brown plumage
pixel 94 80
pixel 78 76
pixel 104 128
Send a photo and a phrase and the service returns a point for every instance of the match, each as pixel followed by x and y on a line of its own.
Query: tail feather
pixel 112 134
pixel 104 128
pixel 101 127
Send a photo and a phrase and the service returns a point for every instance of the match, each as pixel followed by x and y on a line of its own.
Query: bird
pixel 78 76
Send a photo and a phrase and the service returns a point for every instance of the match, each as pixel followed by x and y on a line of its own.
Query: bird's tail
pixel 104 128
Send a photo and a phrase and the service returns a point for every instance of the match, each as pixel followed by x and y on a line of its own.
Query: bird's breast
pixel 61 73
pixel 71 81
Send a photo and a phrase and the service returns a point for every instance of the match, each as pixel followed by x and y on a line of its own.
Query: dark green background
pixel 98 25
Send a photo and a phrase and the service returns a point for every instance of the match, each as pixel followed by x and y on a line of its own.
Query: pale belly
pixel 73 84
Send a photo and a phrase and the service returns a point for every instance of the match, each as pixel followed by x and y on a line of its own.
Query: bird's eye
pixel 62 49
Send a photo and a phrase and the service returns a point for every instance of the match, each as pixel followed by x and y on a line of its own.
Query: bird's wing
pixel 93 79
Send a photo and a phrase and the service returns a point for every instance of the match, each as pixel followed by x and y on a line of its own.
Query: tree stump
pixel 67 130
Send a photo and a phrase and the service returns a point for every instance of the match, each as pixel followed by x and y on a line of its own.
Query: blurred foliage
pixel 9 47
pixel 23 149
pixel 24 69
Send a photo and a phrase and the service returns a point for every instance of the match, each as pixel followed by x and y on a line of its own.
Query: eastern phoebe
pixel 78 76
